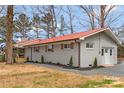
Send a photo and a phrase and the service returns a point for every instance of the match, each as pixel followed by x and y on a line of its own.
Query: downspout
pixel 99 56
pixel 31 53
pixel 79 54
pixel 78 42
pixel 99 43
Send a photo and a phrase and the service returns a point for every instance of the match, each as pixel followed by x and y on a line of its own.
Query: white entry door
pixel 107 55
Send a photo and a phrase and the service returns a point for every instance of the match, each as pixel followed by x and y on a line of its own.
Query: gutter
pixel 31 53
pixel 83 38
pixel 79 53
pixel 106 29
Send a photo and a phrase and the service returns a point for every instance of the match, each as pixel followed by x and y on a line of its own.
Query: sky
pixel 79 21
pixel 77 12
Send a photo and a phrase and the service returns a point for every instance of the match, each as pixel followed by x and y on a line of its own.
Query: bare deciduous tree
pixel 100 16
pixel 69 12
pixel 71 17
pixel 89 10
pixel 104 12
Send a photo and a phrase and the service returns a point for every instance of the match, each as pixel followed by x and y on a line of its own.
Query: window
pixel 71 46
pixel 66 45
pixel 50 48
pixel 36 49
pixel 89 45
pixel 106 50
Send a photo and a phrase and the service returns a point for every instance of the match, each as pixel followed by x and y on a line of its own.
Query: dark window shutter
pixel 53 48
pixel 45 48
pixel 72 45
pixel 102 52
pixel 38 49
pixel 62 46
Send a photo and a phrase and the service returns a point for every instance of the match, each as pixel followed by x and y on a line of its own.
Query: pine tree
pixel 9 35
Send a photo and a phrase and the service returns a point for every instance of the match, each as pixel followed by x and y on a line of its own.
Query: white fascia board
pixel 114 36
pixel 83 38
pixel 107 29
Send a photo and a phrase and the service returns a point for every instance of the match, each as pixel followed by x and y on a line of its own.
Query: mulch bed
pixel 69 67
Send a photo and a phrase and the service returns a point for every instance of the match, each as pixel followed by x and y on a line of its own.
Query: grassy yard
pixel 27 75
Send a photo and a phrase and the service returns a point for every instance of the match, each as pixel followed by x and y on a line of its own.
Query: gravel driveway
pixel 117 70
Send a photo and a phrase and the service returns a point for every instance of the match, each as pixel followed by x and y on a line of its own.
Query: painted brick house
pixel 84 47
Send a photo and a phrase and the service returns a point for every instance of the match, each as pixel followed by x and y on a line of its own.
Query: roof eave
pixel 106 29
pixel 83 38
pixel 117 40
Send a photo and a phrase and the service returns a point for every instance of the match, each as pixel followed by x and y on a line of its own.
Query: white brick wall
pixel 59 55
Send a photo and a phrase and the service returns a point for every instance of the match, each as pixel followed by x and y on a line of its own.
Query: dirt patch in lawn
pixel 29 75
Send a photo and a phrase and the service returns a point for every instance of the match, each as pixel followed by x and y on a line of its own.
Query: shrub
pixel 14 61
pixel 27 59
pixel 2 58
pixel 95 63
pixel 36 62
pixel 42 59
pixel 71 61
pixel 50 62
pixel 57 63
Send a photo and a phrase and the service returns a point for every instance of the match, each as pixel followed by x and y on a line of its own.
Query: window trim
pixel 89 45
pixel 37 49
pixel 68 46
pixel 50 49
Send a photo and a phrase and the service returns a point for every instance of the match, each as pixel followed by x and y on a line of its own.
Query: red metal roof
pixel 59 38
pixel 28 42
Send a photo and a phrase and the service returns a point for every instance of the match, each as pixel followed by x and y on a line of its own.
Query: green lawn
pixel 94 84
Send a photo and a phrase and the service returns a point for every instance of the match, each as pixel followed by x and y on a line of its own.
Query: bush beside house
pixel 2 58
pixel 71 61
pixel 95 65
pixel 42 59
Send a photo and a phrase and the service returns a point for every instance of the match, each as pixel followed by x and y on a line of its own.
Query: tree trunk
pixel 71 25
pixel 53 21
pixel 102 14
pixel 37 33
pixel 9 35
